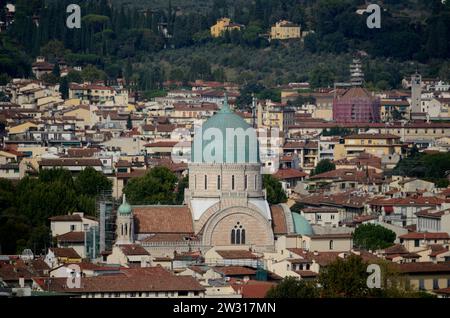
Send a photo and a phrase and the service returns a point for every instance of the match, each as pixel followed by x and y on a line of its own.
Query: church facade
pixel 225 204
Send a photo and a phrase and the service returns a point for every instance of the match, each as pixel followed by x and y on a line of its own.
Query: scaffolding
pixel 92 245
pixel 106 213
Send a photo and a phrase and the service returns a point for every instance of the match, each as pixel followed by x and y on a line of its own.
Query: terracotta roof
pixel 437 249
pixel 425 236
pixel 73 237
pixel 12 272
pixel 165 144
pixel 424 267
pixel 372 136
pixel 430 213
pixel 289 174
pixel 360 176
pixel 200 269
pixel 122 163
pixel 307 274
pixel 322 258
pixel 69 217
pixel 356 93
pixel 151 280
pixel 345 199
pixel 396 249
pixel 234 270
pixel 133 250
pixel 408 201
pixel 163 219
pixel 331 235
pixel 170 237
pixel 236 254
pixel 70 162
pixel 278 219
pixel 252 288
pixel 65 252
pixel 320 210
pixel 444 291
pixel 82 152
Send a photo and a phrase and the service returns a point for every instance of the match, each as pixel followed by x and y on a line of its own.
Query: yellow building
pixel 375 144
pixel 283 30
pixel 22 128
pixel 275 115
pixel 222 25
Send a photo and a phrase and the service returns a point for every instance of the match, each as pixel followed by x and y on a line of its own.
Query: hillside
pixel 126 40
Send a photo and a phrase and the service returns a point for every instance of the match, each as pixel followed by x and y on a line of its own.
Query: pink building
pixel 356 105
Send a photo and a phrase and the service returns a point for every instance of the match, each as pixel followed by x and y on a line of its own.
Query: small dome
pixel 301 225
pixel 243 149
pixel 125 207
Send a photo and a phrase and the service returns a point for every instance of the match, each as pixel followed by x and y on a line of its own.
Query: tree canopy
pixel 373 237
pixel 26 207
pixel 324 165
pixel 156 187
pixel 275 192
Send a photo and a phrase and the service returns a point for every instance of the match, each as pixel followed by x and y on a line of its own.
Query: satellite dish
pixel 27 255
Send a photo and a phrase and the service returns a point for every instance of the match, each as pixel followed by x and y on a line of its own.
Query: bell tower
pixel 125 224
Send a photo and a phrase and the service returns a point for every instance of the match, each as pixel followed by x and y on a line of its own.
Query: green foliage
pixel 182 185
pixel 433 167
pixel 53 50
pixel 112 36
pixel 154 93
pixel 91 182
pixel 291 287
pixel 91 73
pixel 275 192
pixel 156 187
pixel 373 237
pixel 323 165
pixel 337 131
pixel 74 77
pixel 344 278
pixel 26 207
pixel 297 207
pixel 129 123
pixel 64 88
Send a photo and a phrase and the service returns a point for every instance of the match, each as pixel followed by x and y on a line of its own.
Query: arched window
pixel 206 182
pixel 245 182
pixel 126 229
pixel 232 182
pixel 218 182
pixel 331 244
pixel 121 229
pixel 238 234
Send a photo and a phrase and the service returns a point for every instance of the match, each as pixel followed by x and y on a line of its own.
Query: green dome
pixel 243 148
pixel 125 207
pixel 301 225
